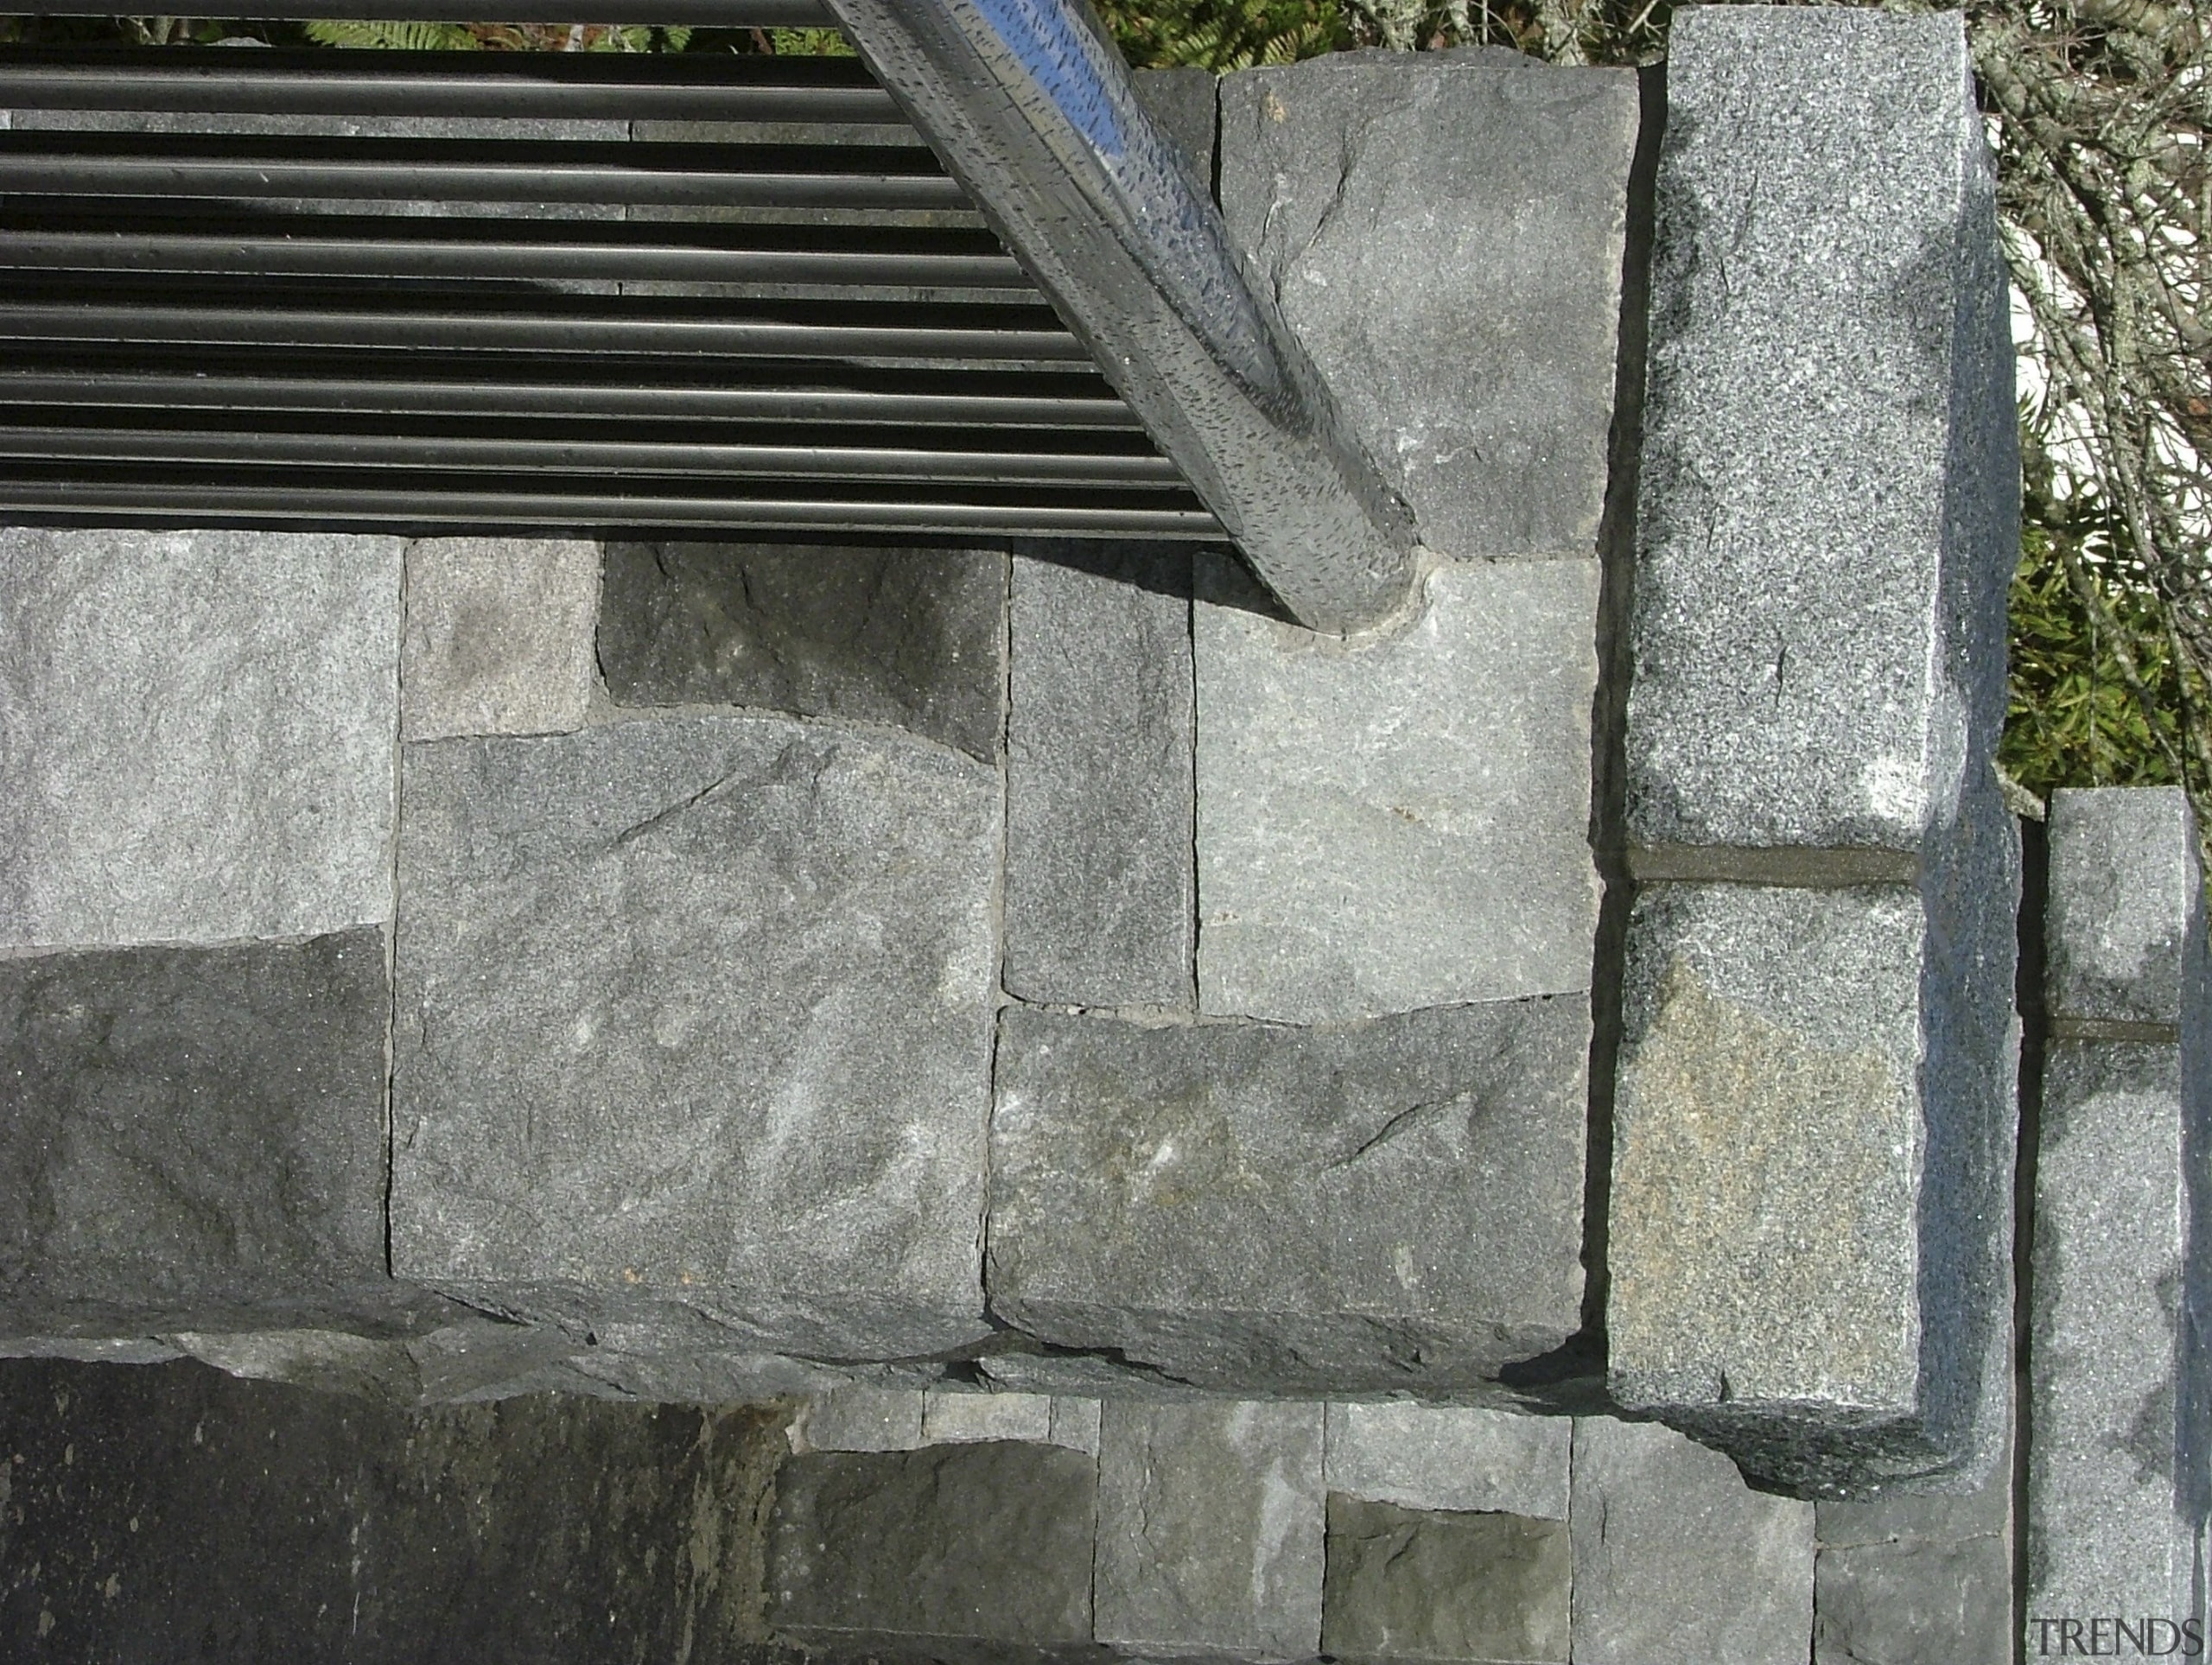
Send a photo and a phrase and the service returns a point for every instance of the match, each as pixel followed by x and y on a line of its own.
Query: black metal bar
pixel 559 84
pixel 260 166
pixel 495 255
pixel 938 399
pixel 593 456
pixel 748 14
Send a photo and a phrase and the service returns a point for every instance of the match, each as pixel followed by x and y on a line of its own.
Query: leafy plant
pixel 1224 34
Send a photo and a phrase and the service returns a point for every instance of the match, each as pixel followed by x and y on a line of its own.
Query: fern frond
pixel 412 35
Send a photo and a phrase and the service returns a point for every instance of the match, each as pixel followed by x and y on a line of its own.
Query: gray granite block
pixel 1457 1458
pixel 1395 1205
pixel 1676 1558
pixel 2116 1487
pixel 952 1416
pixel 1076 1423
pixel 1443 235
pixel 192 1137
pixel 2125 891
pixel 989 1543
pixel 1403 822
pixel 1100 886
pixel 1211 1529
pixel 196 734
pixel 1810 1239
pixel 499 637
pixel 864 1417
pixel 1829 490
pixel 694 1018
pixel 915 639
pixel 1407 1584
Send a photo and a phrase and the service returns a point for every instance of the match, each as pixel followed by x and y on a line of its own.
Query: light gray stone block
pixel 196 734
pixel 1211 1529
pixel 695 1017
pixel 1809 1240
pixel 1404 1584
pixel 952 1416
pixel 193 1138
pixel 864 1417
pixel 987 1544
pixel 499 637
pixel 1676 1558
pixel 1396 1206
pixel 2116 1489
pixel 1075 1423
pixel 1443 235
pixel 1456 1457
pixel 1829 488
pixel 1404 822
pixel 1100 885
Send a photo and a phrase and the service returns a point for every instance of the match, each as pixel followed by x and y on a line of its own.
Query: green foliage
pixel 809 43
pixel 1224 34
pixel 405 37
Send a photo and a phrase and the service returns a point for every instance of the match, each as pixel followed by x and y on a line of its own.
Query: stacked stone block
pixel 2117 1389
pixel 1809 1234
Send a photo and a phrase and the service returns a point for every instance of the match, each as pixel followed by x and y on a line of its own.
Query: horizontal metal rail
pixel 554 85
pixel 251 165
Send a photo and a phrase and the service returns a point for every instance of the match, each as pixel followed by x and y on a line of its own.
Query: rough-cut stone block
pixel 1675 1558
pixel 915 639
pixel 1406 1584
pixel 2125 891
pixel 499 637
pixel 1830 489
pixel 986 1543
pixel 1211 1529
pixel 1462 1458
pixel 1099 880
pixel 953 1416
pixel 2117 1493
pixel 1075 1423
pixel 864 1417
pixel 697 1013
pixel 191 1133
pixel 1413 216
pixel 195 735
pixel 1404 822
pixel 1809 1244
pixel 1396 1206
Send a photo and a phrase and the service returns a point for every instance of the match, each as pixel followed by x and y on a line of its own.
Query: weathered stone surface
pixel 499 637
pixel 1211 1529
pixel 173 1513
pixel 1820 596
pixel 1413 217
pixel 2125 891
pixel 915 639
pixel 1675 1558
pixel 2116 1489
pixel 695 1014
pixel 1100 886
pixel 864 1417
pixel 1406 1584
pixel 195 735
pixel 1461 1458
pixel 954 1416
pixel 984 1542
pixel 191 1133
pixel 1394 1206
pixel 1076 1422
pixel 1936 1601
pixel 1801 1074
pixel 1405 823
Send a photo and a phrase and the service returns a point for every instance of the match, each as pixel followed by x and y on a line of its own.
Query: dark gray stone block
pixel 499 637
pixel 1211 1529
pixel 695 1029
pixel 1829 490
pixel 2125 893
pixel 1675 1558
pixel 914 638
pixel 1413 1584
pixel 988 1542
pixel 1100 882
pixel 200 730
pixel 1414 217
pixel 1914 1603
pixel 1461 1458
pixel 1395 1205
pixel 192 1137
pixel 1809 1243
